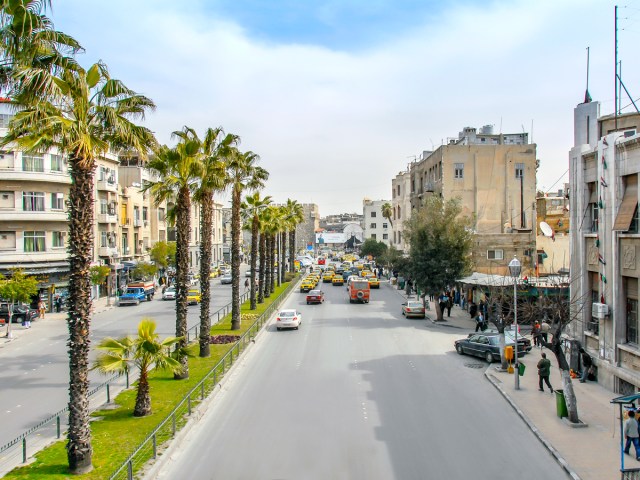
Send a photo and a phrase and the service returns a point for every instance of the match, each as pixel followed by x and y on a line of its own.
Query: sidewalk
pixel 591 453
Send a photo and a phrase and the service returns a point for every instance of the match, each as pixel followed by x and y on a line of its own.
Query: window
pixel 5 118
pixel 125 244
pixel 161 215
pixel 103 206
pixel 495 254
pixel 399 216
pixel 34 241
pixel 519 171
pixel 373 214
pixel 56 163
pixel 103 239
pixel 58 240
pixel 632 320
pixel 385 236
pixel 458 170
pixel 399 237
pixel 373 225
pixel 629 206
pixel 33 163
pixel 33 201
pixel 394 237
pixel 145 214
pixel 385 225
pixel 593 214
pixel 373 235
pixel 398 190
pixel 633 226
pixel 57 201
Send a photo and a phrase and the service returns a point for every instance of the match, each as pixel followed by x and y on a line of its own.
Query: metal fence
pixel 630 474
pixel 50 429
pixel 174 421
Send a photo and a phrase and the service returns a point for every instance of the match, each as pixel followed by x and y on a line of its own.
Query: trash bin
pixel 561 404
pixel 401 283
pixel 521 368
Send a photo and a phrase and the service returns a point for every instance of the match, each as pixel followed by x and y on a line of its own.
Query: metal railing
pixel 19 449
pixel 166 430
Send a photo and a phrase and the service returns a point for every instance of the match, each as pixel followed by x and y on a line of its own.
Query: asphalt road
pixel 34 373
pixel 359 392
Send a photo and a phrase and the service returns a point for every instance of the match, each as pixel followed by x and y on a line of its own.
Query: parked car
pixel 413 309
pixel 315 296
pixel 288 319
pixel 226 279
pixel 193 296
pixel 510 337
pixel 169 293
pixel 20 313
pixel 484 345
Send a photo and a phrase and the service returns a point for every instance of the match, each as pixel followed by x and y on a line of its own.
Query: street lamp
pixel 515 268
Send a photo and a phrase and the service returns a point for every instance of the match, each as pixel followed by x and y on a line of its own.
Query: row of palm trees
pixel 84 114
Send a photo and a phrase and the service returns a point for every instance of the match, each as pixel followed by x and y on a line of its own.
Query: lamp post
pixel 515 269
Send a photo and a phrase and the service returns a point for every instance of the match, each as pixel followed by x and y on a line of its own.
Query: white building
pixel 374 225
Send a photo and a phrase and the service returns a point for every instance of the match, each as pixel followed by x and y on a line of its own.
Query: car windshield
pixel 360 285
pixel 194 292
pixel 287 314
pixel 414 305
pixel 314 292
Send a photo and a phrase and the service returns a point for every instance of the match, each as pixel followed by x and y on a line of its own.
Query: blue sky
pixel 338 96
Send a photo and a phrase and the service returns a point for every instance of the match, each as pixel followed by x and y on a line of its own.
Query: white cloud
pixel 333 127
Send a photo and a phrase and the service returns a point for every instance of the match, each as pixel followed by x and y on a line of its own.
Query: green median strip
pixel 116 433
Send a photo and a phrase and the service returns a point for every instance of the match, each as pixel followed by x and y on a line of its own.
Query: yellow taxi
pixel 374 282
pixel 337 280
pixel 328 276
pixel 359 266
pixel 307 284
pixel 366 274
pixel 214 273
pixel 193 296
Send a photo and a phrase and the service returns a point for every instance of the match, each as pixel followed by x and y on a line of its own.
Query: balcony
pixel 125 222
pixel 107 218
pixel 137 222
pixel 107 185
pixel 46 216
pixel 44 176
pixel 107 252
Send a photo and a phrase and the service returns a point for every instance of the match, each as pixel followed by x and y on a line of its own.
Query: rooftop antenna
pixel 587 96
pixel 619 84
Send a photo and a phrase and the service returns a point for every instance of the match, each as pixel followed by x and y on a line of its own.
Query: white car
pixel 226 279
pixel 169 293
pixel 288 319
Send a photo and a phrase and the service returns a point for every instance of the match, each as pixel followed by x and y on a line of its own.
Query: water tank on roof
pixel 487 130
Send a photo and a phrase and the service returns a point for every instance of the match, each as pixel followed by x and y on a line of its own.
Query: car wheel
pixel 308 303
pixel 489 357
pixel 297 328
pixel 403 313
pixel 459 349
pixel 278 328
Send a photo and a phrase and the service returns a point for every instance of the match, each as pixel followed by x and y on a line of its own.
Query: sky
pixel 338 96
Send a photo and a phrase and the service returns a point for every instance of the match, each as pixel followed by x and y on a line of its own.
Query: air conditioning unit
pixel 599 310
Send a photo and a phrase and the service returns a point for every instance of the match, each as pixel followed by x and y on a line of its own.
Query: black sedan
pixel 484 345
pixel 20 313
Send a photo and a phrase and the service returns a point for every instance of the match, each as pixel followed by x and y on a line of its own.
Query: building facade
pixel 401 204
pixel 605 242
pixel 493 175
pixel 374 225
pixel 306 230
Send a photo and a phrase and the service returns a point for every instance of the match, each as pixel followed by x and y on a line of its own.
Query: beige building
pixel 305 231
pixel 494 177
pixel 401 204
pixel 553 253
pixel 605 243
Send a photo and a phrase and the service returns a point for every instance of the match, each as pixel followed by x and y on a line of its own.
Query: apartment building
pixel 374 225
pixel 401 204
pixel 605 239
pixel 493 175
pixel 306 230
pixel 553 243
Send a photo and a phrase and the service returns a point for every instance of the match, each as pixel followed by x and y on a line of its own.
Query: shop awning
pixel 627 207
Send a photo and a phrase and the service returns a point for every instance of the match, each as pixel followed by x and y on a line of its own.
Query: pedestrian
pixel 535 333
pixel 246 284
pixel 631 434
pixel 58 303
pixel 544 370
pixel 544 332
pixel 41 309
pixel 449 304
pixel 479 322
pixel 473 309
pixel 587 363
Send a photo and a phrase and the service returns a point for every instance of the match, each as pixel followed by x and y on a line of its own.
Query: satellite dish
pixel 547 231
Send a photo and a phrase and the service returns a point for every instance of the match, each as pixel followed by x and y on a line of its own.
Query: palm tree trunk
pixel 263 267
pixel 269 267
pixel 235 258
pixel 272 263
pixel 292 250
pixel 255 224
pixel 283 255
pixel 79 450
pixel 206 219
pixel 143 396
pixel 183 230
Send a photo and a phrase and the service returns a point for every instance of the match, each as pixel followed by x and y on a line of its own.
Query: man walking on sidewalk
pixel 544 370
pixel 631 434
pixel 586 365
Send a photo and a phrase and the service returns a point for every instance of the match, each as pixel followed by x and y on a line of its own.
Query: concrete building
pixel 401 204
pixel 605 241
pixel 553 252
pixel 305 231
pixel 374 225
pixel 494 177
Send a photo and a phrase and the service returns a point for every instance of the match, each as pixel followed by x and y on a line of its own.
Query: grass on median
pixel 116 432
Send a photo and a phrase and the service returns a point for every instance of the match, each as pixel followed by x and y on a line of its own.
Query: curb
pixel 546 443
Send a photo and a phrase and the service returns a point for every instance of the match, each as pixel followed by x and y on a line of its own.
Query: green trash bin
pixel 521 368
pixel 561 404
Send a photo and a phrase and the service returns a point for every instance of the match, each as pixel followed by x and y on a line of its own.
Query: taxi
pixel 328 276
pixel 193 296
pixel 337 280
pixel 307 284
pixel 367 274
pixel 374 282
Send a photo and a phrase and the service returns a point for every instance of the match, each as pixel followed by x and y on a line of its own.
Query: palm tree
pixel 176 172
pixel 264 217
pixel 145 352
pixel 243 174
pixel 88 114
pixel 387 212
pixel 295 215
pixel 251 208
pixel 214 149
